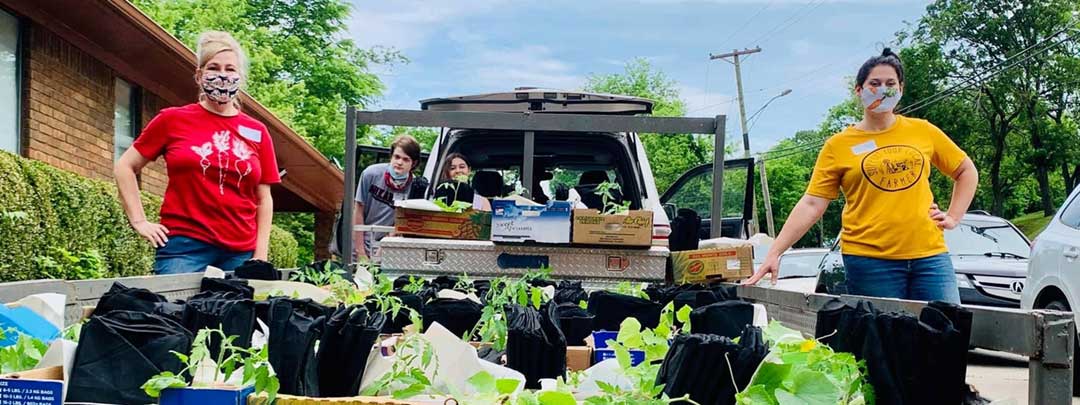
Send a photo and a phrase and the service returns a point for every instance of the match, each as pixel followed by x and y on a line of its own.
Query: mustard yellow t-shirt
pixel 884 176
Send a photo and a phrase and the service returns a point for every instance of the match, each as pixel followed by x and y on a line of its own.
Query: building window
pixel 125 118
pixel 9 83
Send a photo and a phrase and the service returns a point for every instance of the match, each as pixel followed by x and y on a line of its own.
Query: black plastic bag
pixel 535 346
pixel 575 322
pixel 444 283
pixel 257 270
pixel 234 286
pixel 727 318
pixel 122 298
pixel 226 310
pixel 663 294
pixel 119 350
pixel 610 309
pixel 690 355
pixel 694 299
pixel 347 339
pixel 395 324
pixel 909 360
pixel 490 355
pixel 482 288
pixel 541 283
pixel 291 344
pixel 571 292
pixel 457 316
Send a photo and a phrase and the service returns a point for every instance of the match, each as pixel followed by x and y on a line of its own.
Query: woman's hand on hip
pixel 157 234
pixel 943 220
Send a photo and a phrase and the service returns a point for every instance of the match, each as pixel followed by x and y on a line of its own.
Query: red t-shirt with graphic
pixel 215 165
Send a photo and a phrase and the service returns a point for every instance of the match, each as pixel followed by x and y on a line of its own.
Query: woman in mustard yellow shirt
pixel 892 239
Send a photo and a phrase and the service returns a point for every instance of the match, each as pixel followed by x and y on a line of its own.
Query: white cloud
pixel 407 24
pixel 528 65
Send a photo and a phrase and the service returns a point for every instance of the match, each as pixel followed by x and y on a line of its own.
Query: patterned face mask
pixel 880 99
pixel 222 88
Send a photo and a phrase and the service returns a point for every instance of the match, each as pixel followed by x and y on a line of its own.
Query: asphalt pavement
pixel 1000 377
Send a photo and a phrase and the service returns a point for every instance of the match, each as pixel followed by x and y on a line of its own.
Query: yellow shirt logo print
pixel 893 168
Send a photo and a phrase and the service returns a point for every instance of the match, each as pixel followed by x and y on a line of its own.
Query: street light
pixel 759 110
pixel 771 227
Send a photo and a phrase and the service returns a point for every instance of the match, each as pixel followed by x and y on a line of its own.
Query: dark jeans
pixel 928 279
pixel 186 255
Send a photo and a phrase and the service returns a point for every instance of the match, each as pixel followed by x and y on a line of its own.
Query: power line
pixel 747 22
pixel 795 17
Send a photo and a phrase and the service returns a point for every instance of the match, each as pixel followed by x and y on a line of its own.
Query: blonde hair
pixel 212 43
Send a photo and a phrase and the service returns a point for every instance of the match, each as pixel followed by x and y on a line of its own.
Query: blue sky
pixel 468 47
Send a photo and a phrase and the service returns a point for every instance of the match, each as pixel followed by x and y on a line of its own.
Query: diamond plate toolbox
pixel 402 255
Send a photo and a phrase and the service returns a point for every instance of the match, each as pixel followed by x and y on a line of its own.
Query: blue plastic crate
pixel 601 337
pixel 636 356
pixel 205 396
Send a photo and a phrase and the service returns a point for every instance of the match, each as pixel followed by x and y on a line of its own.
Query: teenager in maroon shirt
pixel 220 162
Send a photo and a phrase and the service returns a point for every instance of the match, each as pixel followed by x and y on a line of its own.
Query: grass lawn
pixel 1031 224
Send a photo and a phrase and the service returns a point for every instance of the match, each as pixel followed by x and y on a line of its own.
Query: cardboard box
pixel 578 358
pixel 706 265
pixel 43 386
pixel 513 222
pixel 205 395
pixel 468 225
pixel 633 228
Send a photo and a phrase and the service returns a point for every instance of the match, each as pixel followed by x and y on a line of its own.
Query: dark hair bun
pixel 888 52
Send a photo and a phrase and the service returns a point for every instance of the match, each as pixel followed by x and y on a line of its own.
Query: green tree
pixel 301 68
pixel 669 155
pixel 977 34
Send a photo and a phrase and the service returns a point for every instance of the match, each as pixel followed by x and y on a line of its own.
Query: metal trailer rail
pixel 529 123
pixel 1045 337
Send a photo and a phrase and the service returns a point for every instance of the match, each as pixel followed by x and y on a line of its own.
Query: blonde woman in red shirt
pixel 220 163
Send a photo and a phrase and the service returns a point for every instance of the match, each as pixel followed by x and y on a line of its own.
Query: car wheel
pixel 1059 305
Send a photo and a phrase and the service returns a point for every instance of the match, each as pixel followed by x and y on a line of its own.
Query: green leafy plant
pixel 416 284
pixel 606 191
pixel 801 370
pixel 457 206
pixel 504 292
pixel 631 289
pixel 408 377
pixel 63 264
pixel 23 355
pixel 323 275
pixel 645 391
pixel 253 363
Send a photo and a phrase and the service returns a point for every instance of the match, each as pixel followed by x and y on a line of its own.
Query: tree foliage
pixel 669 155
pixel 301 67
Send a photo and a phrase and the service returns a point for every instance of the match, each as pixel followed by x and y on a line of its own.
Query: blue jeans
pixel 186 255
pixel 928 279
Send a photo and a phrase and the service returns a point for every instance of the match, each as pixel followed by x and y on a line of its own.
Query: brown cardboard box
pixel 634 228
pixel 578 358
pixel 704 265
pixel 468 225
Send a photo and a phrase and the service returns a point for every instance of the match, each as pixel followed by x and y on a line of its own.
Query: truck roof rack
pixel 531 99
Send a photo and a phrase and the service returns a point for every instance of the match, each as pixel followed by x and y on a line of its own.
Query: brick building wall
pixel 68 110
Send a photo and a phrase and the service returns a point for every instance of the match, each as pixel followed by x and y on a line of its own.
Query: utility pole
pixel 735 54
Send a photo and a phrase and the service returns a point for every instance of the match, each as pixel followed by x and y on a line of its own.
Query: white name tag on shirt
pixel 859 149
pixel 251 134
